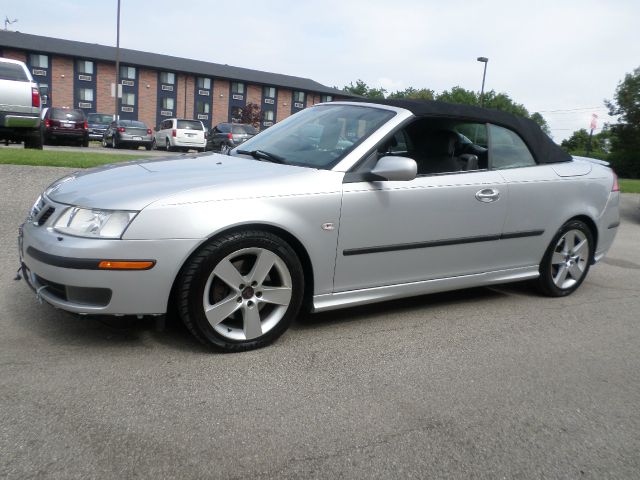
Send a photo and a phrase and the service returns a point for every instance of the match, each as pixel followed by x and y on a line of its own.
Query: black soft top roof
pixel 542 147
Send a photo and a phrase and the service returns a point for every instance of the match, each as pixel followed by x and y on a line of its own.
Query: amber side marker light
pixel 126 264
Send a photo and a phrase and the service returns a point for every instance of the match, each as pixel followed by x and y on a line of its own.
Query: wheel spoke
pixel 229 274
pixel 277 295
pixel 580 248
pixel 558 257
pixel 575 271
pixel 221 310
pixel 264 263
pixel 561 276
pixel 252 325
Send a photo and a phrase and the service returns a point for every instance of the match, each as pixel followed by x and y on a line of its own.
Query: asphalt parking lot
pixel 481 383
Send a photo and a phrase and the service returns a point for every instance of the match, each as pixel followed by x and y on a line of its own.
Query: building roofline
pixel 156 61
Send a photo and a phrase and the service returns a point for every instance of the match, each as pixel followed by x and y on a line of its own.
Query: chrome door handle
pixel 487 195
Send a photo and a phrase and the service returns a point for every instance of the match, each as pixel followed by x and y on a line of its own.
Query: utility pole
pixel 484 60
pixel 116 115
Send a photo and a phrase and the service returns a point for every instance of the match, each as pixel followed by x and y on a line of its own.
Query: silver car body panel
pixel 365 241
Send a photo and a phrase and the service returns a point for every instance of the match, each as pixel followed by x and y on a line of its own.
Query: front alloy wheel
pixel 567 260
pixel 241 291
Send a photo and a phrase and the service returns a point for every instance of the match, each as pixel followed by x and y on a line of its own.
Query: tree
pixel 251 114
pixel 579 144
pixel 412 93
pixel 363 90
pixel 625 135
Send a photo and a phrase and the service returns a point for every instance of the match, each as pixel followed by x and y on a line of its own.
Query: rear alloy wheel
pixel 567 260
pixel 224 149
pixel 241 291
pixel 168 145
pixel 114 144
pixel 154 145
pixel 104 142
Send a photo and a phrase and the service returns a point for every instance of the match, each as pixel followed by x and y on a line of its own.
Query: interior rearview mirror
pixel 396 168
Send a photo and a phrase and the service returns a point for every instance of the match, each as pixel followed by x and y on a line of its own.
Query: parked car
pixel 65 125
pixel 98 124
pixel 225 136
pixel 392 199
pixel 19 105
pixel 179 134
pixel 128 134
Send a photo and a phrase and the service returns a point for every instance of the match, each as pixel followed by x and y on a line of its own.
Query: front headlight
pixel 92 223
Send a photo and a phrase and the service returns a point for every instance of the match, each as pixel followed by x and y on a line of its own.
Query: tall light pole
pixel 116 116
pixel 484 60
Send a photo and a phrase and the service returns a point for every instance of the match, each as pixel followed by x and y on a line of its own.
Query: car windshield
pixel 189 125
pixel 99 118
pixel 12 71
pixel 242 129
pixel 132 123
pixel 61 114
pixel 318 137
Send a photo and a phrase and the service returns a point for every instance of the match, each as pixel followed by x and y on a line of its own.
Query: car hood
pixel 134 185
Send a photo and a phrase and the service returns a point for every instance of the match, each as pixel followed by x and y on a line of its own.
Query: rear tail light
pixel 35 97
pixel 86 125
pixel 121 129
pixel 616 186
pixel 47 123
pixel 173 132
pixel 229 136
pixel 149 132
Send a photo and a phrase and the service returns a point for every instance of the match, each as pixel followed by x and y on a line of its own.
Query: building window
pixel 237 88
pixel 128 73
pixel 202 106
pixel 236 115
pixel 268 115
pixel 44 92
pixel 204 83
pixel 167 103
pixel 129 99
pixel 168 78
pixel 39 61
pixel 85 67
pixel 298 97
pixel 86 94
pixel 326 98
pixel 269 92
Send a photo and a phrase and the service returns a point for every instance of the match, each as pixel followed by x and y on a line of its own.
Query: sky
pixel 561 58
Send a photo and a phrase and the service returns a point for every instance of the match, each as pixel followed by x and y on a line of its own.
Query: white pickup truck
pixel 19 105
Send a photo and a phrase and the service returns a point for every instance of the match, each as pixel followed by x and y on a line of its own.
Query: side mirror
pixel 396 168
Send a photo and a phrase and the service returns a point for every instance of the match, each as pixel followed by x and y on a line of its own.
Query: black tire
pixel 549 283
pixel 105 144
pixel 197 274
pixel 85 143
pixel 114 142
pixel 35 141
pixel 168 146
pixel 147 146
pixel 154 145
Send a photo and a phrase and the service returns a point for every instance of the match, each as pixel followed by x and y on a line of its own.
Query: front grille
pixel 94 297
pixel 45 216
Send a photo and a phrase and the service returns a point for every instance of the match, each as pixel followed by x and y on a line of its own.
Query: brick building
pixel 82 75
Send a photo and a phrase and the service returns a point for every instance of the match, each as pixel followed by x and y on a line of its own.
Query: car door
pixel 438 225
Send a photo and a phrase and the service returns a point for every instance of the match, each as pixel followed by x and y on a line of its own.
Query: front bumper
pixel 76 287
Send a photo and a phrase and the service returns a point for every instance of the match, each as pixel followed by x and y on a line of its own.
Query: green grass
pixel 629 186
pixel 51 158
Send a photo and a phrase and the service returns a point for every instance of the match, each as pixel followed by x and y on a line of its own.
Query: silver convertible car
pixel 342 204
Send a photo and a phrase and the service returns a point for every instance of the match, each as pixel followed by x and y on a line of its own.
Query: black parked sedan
pixel 225 136
pixel 98 124
pixel 128 134
pixel 65 125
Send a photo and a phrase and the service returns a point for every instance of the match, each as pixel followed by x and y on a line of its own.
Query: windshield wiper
pixel 262 155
